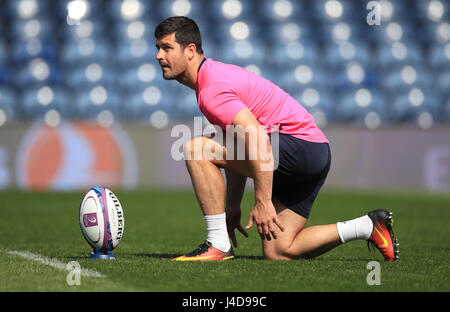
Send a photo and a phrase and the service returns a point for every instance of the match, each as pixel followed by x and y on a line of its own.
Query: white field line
pixel 54 263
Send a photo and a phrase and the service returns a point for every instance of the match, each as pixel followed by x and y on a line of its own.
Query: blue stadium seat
pixel 142 75
pixel 25 50
pixel 398 53
pixel 301 76
pixel 184 103
pixel 316 99
pixel 120 10
pixel 407 104
pixel 226 10
pixel 85 51
pixel 338 54
pixel 287 32
pixel 242 52
pixel 39 99
pixel 442 81
pixel 446 109
pixel 353 74
pixel 405 77
pixel 33 28
pixel 343 31
pixel 19 9
pixel 436 33
pixel 439 55
pixel 87 28
pixel 192 9
pixel 5 74
pixel 429 11
pixel 274 11
pixel 331 11
pixel 91 101
pixel 395 30
pixel 283 55
pixel 139 51
pixel 354 104
pixel 143 100
pixel 230 32
pixel 37 71
pixel 86 75
pixel 8 102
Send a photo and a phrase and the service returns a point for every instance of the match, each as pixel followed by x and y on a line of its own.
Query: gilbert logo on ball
pixel 102 221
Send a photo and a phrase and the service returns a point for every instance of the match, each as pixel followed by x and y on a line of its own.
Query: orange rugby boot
pixel 382 234
pixel 206 252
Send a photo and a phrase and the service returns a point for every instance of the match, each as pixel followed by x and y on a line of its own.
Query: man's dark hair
pixel 185 29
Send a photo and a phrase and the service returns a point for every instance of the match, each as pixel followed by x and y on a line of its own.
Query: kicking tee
pixel 223 90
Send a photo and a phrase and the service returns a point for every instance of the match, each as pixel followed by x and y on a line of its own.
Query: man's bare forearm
pixel 235 189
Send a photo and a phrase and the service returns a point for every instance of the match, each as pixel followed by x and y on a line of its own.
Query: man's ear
pixel 190 51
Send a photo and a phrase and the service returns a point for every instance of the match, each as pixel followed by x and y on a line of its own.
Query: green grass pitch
pixel 163 224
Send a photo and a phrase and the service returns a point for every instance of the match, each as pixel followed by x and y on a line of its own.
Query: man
pixel 285 184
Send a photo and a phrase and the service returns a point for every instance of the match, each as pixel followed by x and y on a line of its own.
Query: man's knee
pixel 193 149
pixel 278 252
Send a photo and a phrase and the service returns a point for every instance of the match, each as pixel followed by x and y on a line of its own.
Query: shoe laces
pixel 202 248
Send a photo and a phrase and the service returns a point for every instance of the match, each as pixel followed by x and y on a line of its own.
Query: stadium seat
pixel 87 28
pixel 85 51
pixel 242 52
pixel 301 76
pixel 39 99
pixel 190 8
pixel 120 10
pixel 132 52
pixel 398 53
pixel 287 32
pixel 408 104
pixel 33 28
pixel 8 102
pixel 275 11
pixel 442 82
pixel 284 55
pixel 79 77
pixel 439 55
pixel 143 100
pixel 228 10
pixel 354 104
pixel 429 11
pixel 184 104
pixel 327 11
pixel 25 50
pixel 316 99
pixel 89 102
pixel 37 71
pixel 446 109
pixel 338 54
pixel 405 77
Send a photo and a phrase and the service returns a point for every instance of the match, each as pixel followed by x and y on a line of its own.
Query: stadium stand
pixel 82 58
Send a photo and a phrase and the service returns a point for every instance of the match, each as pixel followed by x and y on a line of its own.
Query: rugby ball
pixel 101 219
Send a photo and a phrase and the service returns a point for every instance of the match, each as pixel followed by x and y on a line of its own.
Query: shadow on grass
pixel 170 256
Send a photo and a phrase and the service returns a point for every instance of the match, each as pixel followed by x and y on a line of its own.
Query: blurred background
pixel 83 102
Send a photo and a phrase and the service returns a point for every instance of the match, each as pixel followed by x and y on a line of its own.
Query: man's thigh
pixel 293 224
pixel 214 149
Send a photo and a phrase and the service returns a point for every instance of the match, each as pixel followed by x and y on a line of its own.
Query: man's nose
pixel 159 55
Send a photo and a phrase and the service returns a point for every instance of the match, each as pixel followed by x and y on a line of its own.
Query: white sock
pixel 217 234
pixel 359 228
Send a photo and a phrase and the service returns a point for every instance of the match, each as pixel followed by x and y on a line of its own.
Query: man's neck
pixel 190 78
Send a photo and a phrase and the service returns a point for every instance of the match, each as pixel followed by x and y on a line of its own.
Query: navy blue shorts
pixel 302 169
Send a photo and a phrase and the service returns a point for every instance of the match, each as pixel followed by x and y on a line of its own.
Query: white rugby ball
pixel 101 219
